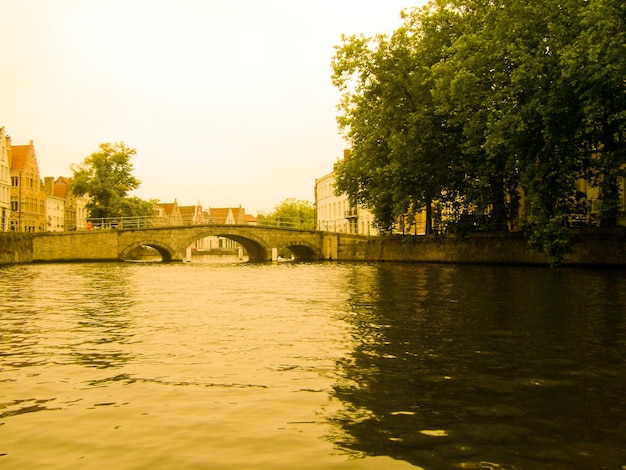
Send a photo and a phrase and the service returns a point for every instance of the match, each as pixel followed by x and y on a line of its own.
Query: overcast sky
pixel 228 102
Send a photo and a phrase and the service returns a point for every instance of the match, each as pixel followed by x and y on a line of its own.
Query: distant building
pixel 173 214
pixel 5 181
pixel 74 207
pixel 227 215
pixel 588 207
pixel 168 213
pixel 224 216
pixel 335 214
pixel 55 213
pixel 28 195
pixel 192 215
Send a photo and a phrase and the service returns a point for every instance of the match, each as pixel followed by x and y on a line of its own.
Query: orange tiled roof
pixel 239 214
pixel 20 155
pixel 61 186
pixel 219 215
pixel 187 210
pixel 167 207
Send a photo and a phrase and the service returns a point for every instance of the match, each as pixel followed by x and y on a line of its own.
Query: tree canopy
pixel 106 178
pixel 290 213
pixel 493 107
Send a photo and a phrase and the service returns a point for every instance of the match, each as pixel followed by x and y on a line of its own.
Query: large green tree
pixel 106 178
pixel 403 153
pixel 594 64
pixel 502 82
pixel 486 103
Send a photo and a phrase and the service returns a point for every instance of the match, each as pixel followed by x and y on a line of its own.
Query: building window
pixel 15 181
pixel 14 206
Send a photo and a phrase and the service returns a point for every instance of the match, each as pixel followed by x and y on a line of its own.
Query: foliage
pixel 290 213
pixel 135 207
pixel 400 157
pixel 595 65
pixel 106 177
pixel 493 107
pixel 552 238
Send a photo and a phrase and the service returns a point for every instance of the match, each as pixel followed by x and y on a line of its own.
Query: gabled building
pixel 223 216
pixel 168 213
pixel 5 181
pixel 28 195
pixel 192 215
pixel 74 207
pixel 227 215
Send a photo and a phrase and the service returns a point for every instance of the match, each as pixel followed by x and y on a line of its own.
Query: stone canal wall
pixel 16 248
pixel 597 248
pixel 600 248
pixel 76 246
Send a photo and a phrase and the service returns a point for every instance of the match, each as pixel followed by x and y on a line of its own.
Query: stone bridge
pixel 260 242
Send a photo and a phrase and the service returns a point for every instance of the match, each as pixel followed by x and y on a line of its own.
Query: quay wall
pixel 76 246
pixel 601 248
pixel 598 248
pixel 16 248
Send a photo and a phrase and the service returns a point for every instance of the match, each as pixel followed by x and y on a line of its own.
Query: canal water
pixel 311 365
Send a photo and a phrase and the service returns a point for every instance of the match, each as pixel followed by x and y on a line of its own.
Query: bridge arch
pixel 302 250
pixel 257 248
pixel 167 253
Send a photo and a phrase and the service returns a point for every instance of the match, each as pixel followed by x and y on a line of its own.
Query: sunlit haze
pixel 227 102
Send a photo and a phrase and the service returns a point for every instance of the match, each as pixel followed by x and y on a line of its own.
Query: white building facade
pixel 335 214
pixel 5 181
pixel 55 213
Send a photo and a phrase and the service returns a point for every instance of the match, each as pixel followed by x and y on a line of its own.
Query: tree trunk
pixel 429 216
pixel 498 214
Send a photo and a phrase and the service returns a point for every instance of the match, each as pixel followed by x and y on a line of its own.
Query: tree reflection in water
pixel 484 367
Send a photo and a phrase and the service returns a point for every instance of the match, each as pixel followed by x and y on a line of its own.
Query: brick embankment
pixel 16 248
pixel 601 248
pixel 598 248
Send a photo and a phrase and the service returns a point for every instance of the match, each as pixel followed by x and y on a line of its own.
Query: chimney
pixel 48 182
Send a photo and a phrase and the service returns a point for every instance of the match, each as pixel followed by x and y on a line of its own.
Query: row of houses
pixel 174 214
pixel 29 203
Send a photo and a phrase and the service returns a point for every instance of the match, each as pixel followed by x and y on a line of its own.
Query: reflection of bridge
pixel 261 243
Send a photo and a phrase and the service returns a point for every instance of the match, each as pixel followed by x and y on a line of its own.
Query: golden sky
pixel 227 102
